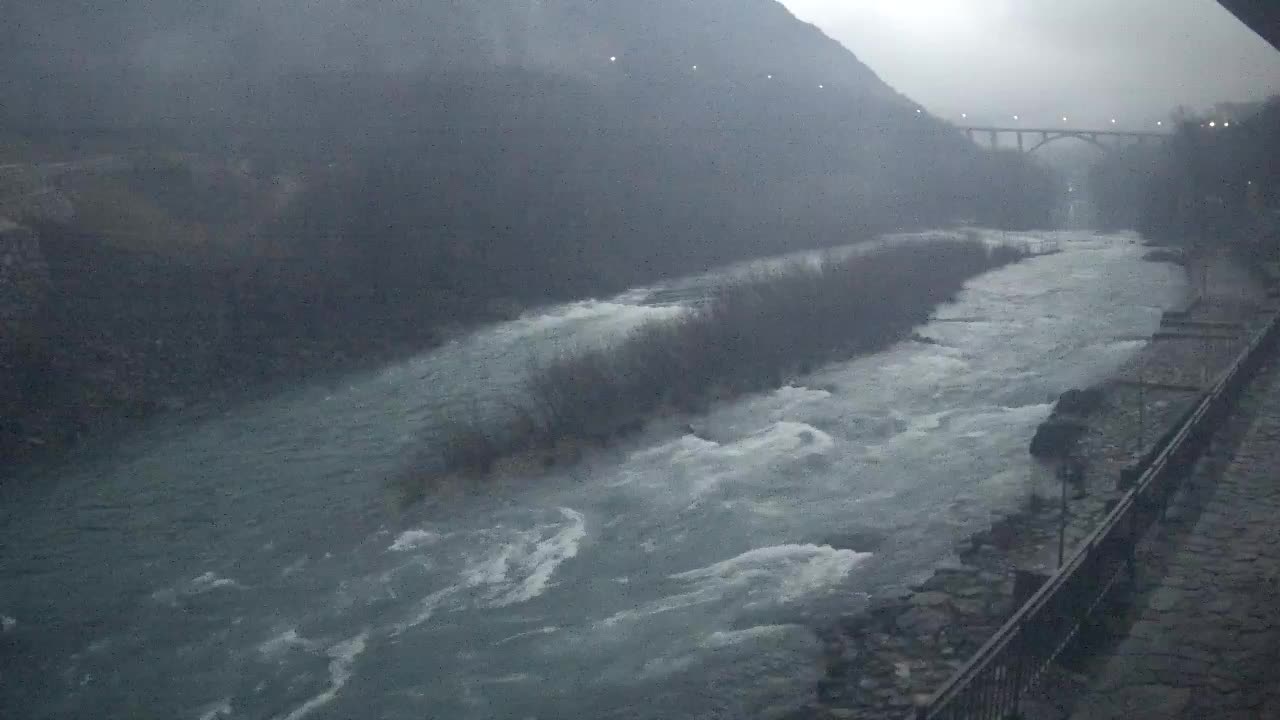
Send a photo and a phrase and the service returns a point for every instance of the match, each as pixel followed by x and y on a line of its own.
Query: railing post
pixel 1019 645
pixel 1164 495
pixel 1131 549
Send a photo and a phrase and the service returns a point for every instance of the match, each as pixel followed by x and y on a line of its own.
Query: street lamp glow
pixel 695 67
pixel 1015 117
pixel 1213 123
pixel 1160 123
pixel 1113 121
pixel 1226 124
pixel 964 116
pixel 613 59
pixel 1064 118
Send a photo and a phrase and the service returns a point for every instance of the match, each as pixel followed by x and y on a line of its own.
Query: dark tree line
pixel 1218 182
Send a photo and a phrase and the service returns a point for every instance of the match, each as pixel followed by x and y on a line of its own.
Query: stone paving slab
pixel 1207 642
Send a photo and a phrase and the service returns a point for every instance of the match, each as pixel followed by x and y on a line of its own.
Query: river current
pixel 254 564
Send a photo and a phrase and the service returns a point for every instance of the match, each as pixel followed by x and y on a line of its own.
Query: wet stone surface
pixel 1204 641
pixel 880 664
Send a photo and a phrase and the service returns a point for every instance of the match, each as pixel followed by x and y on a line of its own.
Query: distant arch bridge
pixel 1030 140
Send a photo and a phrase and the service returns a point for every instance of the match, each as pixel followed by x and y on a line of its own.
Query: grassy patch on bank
pixel 749 336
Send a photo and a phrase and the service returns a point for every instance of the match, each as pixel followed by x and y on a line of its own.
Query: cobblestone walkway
pixel 1207 642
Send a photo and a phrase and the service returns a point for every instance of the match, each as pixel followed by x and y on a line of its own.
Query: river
pixel 254 564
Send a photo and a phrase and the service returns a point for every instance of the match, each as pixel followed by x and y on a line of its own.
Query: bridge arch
pixel 1086 137
pixel 1047 135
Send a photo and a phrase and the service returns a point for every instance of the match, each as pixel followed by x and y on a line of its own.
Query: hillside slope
pixel 334 181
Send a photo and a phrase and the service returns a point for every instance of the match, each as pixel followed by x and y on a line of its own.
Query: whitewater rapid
pixel 254 564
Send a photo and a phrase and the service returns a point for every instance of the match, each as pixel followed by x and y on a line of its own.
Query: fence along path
pixel 992 684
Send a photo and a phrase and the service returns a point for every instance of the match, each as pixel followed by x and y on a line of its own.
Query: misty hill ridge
pixel 311 185
pixel 154 44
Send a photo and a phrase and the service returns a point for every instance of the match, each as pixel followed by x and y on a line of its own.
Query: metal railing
pixel 991 684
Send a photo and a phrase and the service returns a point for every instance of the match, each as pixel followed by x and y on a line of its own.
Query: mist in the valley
pixel 1088 60
pixel 559 358
pixel 502 150
pixel 338 183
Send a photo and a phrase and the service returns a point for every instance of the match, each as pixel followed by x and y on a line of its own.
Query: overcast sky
pixel 1090 60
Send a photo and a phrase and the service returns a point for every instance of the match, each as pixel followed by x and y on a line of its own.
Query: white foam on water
pixel 782 439
pixel 657 607
pixel 275 646
pixel 933 365
pixel 793 571
pixel 7 624
pixel 666 666
pixel 682 448
pixel 209 582
pixel 516 569
pixel 782 442
pixel 532 633
pixel 341 657
pixel 764 577
pixel 923 424
pixel 425 609
pixel 506 679
pixel 620 316
pixel 762 508
pixel 219 709
pixel 791 397
pixel 205 583
pixel 294 567
pixel 707 464
pixel 543 560
pixel 413 539
pixel 730 638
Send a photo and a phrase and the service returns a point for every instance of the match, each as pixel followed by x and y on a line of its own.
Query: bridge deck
pixel 1112 132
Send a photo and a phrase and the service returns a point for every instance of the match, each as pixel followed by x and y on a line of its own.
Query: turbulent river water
pixel 251 565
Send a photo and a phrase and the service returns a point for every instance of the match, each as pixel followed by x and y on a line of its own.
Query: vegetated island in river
pixel 749 335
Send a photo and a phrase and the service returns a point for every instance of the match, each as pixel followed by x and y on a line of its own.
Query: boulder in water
pixel 1056 437
pixel 1080 403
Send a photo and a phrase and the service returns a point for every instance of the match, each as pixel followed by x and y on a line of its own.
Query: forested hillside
pixel 339 180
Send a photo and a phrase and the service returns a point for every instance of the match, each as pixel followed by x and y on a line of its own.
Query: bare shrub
pixel 750 334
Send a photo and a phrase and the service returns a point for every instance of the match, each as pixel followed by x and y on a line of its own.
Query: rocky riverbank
pixel 880 663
